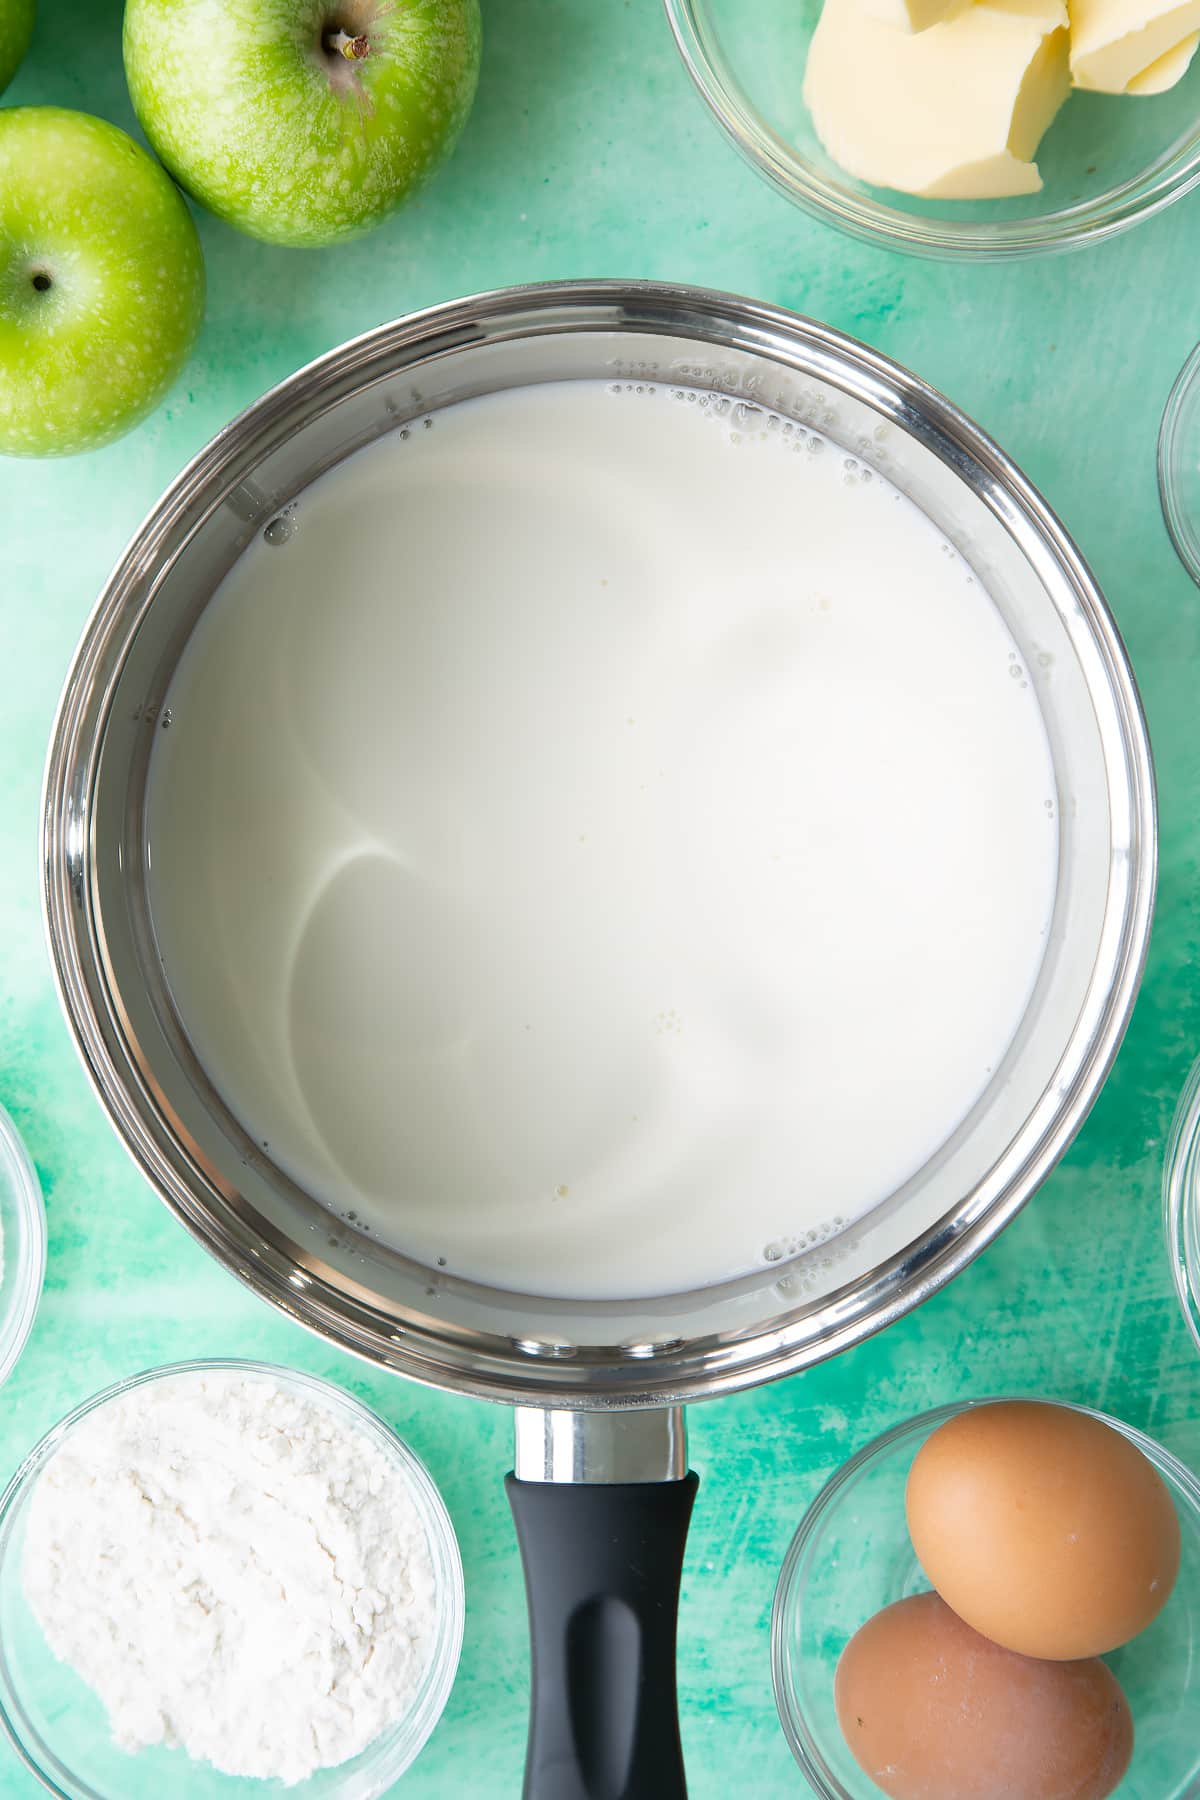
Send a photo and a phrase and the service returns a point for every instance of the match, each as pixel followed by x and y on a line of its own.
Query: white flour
pixel 236 1571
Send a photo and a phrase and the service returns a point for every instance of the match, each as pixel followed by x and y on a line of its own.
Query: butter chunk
pixel 1131 46
pixel 955 112
pixel 912 15
pixel 1169 69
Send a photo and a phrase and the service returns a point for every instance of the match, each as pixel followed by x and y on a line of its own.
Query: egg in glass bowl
pixel 852 1557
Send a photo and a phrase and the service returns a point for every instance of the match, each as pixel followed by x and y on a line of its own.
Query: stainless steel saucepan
pixel 600 1491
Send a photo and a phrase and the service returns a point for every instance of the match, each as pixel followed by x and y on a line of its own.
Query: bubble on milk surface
pixel 282 528
pixel 643 1346
pixel 803 1243
pixel 747 422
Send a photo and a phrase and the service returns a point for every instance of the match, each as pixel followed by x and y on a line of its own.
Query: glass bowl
pixel 852 1555
pixel 1181 1200
pixel 1179 465
pixel 22 1244
pixel 58 1725
pixel 1107 161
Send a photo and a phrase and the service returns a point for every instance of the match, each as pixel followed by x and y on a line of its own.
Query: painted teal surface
pixel 588 154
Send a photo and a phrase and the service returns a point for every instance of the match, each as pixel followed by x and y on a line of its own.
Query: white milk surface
pixel 601 849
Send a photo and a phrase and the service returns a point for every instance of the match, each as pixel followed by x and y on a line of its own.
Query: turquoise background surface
pixel 589 154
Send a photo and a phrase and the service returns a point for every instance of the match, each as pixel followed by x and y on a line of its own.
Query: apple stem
pixel 340 43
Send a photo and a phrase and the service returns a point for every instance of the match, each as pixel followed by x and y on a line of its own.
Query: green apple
pixel 302 121
pixel 16 29
pixel 101 281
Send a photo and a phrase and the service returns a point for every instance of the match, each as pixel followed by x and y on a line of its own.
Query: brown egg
pixel 1046 1530
pixel 933 1711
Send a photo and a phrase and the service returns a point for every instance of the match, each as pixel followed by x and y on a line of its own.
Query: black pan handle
pixel 602 1568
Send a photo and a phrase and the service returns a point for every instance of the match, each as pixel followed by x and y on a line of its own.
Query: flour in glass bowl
pixel 234 1570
